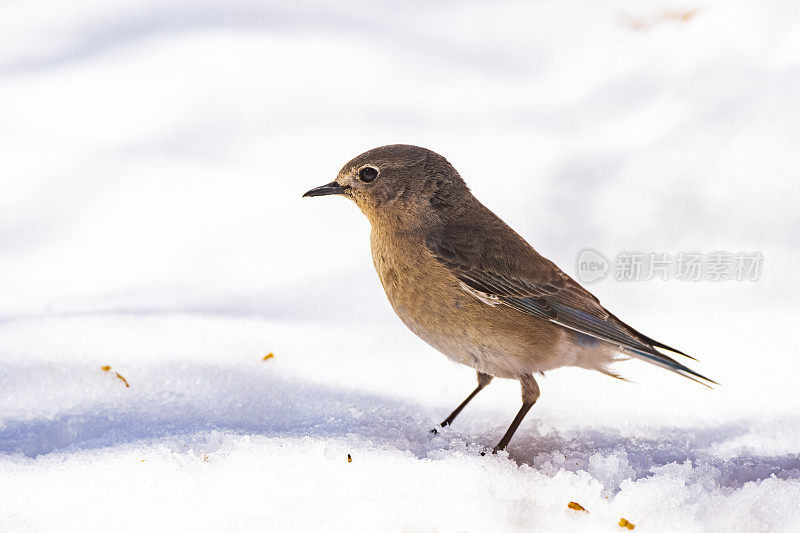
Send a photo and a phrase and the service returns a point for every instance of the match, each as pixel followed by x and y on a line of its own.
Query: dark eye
pixel 367 174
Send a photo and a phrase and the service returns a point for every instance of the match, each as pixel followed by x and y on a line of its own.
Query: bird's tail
pixel 664 361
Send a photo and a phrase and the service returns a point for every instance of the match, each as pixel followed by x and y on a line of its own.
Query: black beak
pixel 325 190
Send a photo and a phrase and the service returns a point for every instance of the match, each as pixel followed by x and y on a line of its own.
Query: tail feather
pixel 652 342
pixel 664 346
pixel 664 361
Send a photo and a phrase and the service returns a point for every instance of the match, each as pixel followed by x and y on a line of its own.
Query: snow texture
pixel 153 158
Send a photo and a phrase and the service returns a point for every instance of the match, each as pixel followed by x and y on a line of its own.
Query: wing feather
pixel 529 283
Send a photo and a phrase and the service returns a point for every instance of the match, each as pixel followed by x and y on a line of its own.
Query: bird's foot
pixel 436 428
pixel 494 451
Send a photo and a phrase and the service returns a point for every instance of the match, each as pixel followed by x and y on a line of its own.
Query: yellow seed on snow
pixel 125 381
pixel 577 507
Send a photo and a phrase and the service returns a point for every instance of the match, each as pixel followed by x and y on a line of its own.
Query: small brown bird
pixel 471 287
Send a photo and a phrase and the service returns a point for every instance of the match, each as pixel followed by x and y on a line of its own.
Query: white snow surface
pixel 153 158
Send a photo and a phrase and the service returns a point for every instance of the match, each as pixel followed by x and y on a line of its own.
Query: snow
pixel 153 158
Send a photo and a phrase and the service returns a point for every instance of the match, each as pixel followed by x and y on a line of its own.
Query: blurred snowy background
pixel 152 158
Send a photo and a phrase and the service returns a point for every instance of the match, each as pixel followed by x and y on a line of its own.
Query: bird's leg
pixel 483 380
pixel 530 393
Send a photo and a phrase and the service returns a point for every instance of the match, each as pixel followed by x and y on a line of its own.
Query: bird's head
pixel 398 183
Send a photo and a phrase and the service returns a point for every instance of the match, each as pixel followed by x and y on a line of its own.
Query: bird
pixel 472 288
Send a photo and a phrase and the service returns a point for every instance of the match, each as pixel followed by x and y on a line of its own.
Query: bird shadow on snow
pixel 186 403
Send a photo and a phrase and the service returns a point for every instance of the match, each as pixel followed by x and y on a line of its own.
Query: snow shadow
pixel 209 398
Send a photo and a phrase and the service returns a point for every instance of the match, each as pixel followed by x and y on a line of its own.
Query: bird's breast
pixel 432 303
pixel 419 289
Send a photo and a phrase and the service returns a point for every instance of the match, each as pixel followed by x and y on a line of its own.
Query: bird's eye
pixel 367 174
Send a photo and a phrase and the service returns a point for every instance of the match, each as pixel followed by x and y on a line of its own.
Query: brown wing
pixel 498 262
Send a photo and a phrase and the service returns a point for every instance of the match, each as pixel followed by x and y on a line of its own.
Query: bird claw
pixel 437 427
pixel 494 451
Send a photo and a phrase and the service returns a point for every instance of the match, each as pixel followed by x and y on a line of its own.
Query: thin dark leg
pixel 454 414
pixel 530 393
pixel 483 380
pixel 526 406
